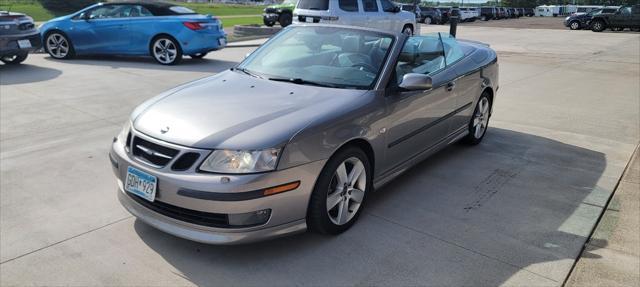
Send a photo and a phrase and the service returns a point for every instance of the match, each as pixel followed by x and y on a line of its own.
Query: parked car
pixel 413 9
pixel 513 13
pixel 383 16
pixel 164 31
pixel 280 13
pixel 488 13
pixel 529 12
pixel 216 161
pixel 18 37
pixel 579 21
pixel 625 17
pixel 502 13
pixel 431 15
pixel 446 13
pixel 521 12
pixel 468 14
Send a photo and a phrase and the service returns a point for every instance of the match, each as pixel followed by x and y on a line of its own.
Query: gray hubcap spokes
pixel 481 118
pixel 574 25
pixel 407 31
pixel 165 51
pixel 597 25
pixel 346 191
pixel 57 45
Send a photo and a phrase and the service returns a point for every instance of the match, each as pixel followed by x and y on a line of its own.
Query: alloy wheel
pixel 575 25
pixel 165 51
pixel 58 46
pixel 346 191
pixel 408 31
pixel 481 118
pixel 427 20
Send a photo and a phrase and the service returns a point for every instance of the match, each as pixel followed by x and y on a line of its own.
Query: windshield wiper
pixel 247 72
pixel 300 81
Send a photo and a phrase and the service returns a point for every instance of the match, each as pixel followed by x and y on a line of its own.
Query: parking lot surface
pixel 515 210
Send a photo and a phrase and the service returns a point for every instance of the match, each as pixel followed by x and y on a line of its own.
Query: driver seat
pixel 352 52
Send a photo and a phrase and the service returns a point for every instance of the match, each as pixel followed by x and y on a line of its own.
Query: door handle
pixel 451 86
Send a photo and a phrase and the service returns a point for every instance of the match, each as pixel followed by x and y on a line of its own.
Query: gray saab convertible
pixel 298 134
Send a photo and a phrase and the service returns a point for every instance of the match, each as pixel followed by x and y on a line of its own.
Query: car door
pixel 635 17
pixel 621 18
pixel 371 13
pixel 351 13
pixel 102 30
pixel 387 16
pixel 141 29
pixel 417 118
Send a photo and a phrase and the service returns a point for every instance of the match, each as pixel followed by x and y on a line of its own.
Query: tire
pixel 617 29
pixel 635 29
pixel 484 18
pixel 428 20
pixel 58 45
pixel 574 25
pixel 479 122
pixel 330 187
pixel 165 50
pixel 268 23
pixel 407 30
pixel 598 26
pixel 198 56
pixel 285 19
pixel 15 59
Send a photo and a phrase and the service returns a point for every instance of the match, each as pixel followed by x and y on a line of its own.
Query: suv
pixel 18 37
pixel 625 17
pixel 445 12
pixel 281 13
pixel 431 15
pixel 468 14
pixel 413 9
pixel 502 13
pixel 364 13
pixel 579 21
pixel 514 12
pixel 529 12
pixel 488 13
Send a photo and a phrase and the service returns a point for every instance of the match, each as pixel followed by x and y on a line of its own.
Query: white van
pixel 547 11
pixel 377 14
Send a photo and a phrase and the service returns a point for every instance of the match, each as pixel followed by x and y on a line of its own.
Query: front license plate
pixel 24 44
pixel 222 42
pixel 141 184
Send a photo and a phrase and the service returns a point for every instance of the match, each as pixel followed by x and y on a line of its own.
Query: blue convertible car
pixel 163 30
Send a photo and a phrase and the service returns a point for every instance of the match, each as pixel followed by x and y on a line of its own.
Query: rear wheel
pixel 339 194
pixel 58 46
pixel 285 19
pixel 598 26
pixel 427 20
pixel 166 50
pixel 479 121
pixel 267 22
pixel 407 30
pixel 574 25
pixel 15 59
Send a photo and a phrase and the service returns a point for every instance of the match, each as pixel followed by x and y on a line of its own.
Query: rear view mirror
pixel 413 81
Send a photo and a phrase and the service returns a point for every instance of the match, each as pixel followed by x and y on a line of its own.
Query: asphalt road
pixel 515 210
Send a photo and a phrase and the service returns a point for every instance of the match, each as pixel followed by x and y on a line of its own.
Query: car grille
pixel 183 214
pixel 185 161
pixel 152 153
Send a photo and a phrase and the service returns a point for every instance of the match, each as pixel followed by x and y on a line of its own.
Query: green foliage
pixel 223 9
pixel 31 8
pixel 65 6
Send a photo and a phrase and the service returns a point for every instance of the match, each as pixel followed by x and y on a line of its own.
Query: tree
pixel 65 6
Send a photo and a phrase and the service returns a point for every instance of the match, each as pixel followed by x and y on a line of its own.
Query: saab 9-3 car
pixel 164 31
pixel 301 132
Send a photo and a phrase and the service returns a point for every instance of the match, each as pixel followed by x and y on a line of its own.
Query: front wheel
pixel 598 26
pixel 427 20
pixel 479 120
pixel 58 46
pixel 15 59
pixel 407 30
pixel 165 50
pixel 285 19
pixel 339 194
pixel 574 25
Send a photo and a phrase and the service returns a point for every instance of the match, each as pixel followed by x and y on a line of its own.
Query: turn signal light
pixel 281 188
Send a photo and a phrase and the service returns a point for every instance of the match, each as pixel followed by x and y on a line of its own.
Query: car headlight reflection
pixel 232 161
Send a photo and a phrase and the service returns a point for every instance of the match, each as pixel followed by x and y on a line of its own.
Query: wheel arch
pixel 364 145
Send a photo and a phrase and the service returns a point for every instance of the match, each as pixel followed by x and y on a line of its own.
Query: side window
pixel 110 11
pixel 370 5
pixel 387 6
pixel 422 55
pixel 139 11
pixel 625 10
pixel 348 5
pixel 452 51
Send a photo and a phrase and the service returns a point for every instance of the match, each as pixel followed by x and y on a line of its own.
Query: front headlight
pixel 232 161
pixel 122 136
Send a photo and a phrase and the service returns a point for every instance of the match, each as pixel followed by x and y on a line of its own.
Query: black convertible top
pixel 157 8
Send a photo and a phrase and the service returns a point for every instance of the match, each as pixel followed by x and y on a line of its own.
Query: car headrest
pixel 409 53
pixel 351 44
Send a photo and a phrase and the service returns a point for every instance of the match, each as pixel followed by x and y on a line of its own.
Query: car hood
pixel 237 111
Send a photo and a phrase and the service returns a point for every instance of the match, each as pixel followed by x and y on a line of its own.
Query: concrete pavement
pixel 515 210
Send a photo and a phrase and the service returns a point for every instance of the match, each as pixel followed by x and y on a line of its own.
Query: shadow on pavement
pixel 466 216
pixel 25 73
pixel 116 62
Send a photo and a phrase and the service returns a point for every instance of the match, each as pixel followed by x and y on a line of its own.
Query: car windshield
pixel 181 10
pixel 321 56
pixel 595 12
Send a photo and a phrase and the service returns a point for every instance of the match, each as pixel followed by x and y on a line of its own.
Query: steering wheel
pixel 366 66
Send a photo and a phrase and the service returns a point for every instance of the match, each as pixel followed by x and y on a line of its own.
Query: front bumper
pixel 9 44
pixel 288 209
pixel 270 17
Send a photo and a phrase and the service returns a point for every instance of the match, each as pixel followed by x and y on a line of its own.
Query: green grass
pixel 33 9
pixel 224 9
pixel 230 22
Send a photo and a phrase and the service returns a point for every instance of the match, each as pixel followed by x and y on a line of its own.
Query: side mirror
pixel 413 82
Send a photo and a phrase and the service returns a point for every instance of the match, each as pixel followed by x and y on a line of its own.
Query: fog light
pixel 250 218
